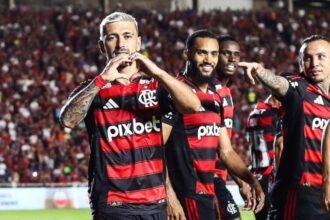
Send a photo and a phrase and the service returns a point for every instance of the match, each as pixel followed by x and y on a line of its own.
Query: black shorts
pixel 157 216
pixel 198 207
pixel 303 203
pixel 227 208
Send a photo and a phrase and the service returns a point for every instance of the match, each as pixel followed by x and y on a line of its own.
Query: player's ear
pixel 101 46
pixel 185 55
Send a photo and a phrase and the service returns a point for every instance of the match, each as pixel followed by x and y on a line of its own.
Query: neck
pixel 324 86
pixel 223 79
pixel 203 87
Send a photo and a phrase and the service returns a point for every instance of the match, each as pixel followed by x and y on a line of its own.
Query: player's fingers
pixel 260 204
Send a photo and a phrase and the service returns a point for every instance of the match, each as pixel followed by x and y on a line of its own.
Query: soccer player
pixel 122 112
pixel 195 138
pixel 326 169
pixel 263 131
pixel 306 101
pixel 229 57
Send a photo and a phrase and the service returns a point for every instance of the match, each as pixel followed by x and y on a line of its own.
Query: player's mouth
pixel 231 66
pixel 207 67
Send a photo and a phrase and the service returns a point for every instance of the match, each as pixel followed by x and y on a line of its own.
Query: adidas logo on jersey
pixel 319 100
pixel 110 105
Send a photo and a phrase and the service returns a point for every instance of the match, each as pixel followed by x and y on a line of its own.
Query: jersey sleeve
pixel 168 110
pixel 295 93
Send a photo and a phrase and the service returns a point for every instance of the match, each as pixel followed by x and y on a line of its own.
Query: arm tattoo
pixel 277 84
pixel 77 107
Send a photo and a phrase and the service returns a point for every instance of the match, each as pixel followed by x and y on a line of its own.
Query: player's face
pixel 120 37
pixel 316 61
pixel 228 58
pixel 204 57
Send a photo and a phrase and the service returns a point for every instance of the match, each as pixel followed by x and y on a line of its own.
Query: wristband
pixel 100 82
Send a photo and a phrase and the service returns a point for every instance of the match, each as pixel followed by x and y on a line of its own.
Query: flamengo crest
pixel 148 98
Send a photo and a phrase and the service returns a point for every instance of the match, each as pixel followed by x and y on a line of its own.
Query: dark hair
pixel 226 37
pixel 307 41
pixel 198 34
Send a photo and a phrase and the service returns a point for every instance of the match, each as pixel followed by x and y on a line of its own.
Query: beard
pixel 198 76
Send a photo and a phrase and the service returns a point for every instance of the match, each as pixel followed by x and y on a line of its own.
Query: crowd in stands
pixel 45 54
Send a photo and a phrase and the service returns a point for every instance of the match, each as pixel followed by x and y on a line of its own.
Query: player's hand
pixel 326 195
pixel 258 197
pixel 110 71
pixel 251 69
pixel 246 194
pixel 146 65
pixel 174 208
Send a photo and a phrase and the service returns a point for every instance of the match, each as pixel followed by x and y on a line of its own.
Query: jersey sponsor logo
pixel 228 123
pixel 231 208
pixel 319 123
pixel 208 130
pixel 148 98
pixel 319 100
pixel 132 128
pixel 110 104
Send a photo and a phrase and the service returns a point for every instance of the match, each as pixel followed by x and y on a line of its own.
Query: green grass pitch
pixel 66 214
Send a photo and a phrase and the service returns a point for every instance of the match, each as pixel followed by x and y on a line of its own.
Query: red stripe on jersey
pixel 269 137
pixel 201 118
pixel 271 154
pixel 313 109
pixel 123 90
pixel 312 179
pixel 223 174
pixel 290 205
pixel 207 188
pixel 204 142
pixel 138 196
pixel 224 91
pixel 315 134
pixel 120 144
pixel 313 156
pixel 204 165
pixel 228 112
pixel 230 132
pixel 266 121
pixel 189 208
pixel 134 170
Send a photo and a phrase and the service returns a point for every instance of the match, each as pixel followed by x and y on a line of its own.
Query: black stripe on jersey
pixel 210 106
pixel 313 144
pixel 205 177
pixel 204 154
pixel 311 167
pixel 134 156
pixel 138 183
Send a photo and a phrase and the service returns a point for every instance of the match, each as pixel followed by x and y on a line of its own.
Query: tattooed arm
pixel 75 110
pixel 277 84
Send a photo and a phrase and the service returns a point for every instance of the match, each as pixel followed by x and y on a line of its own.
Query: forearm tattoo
pixel 276 84
pixel 76 108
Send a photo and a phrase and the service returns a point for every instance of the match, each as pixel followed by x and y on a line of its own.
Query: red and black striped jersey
pixel 228 115
pixel 124 127
pixel 263 126
pixel 307 111
pixel 192 145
